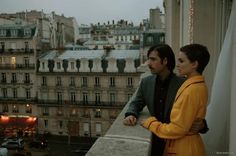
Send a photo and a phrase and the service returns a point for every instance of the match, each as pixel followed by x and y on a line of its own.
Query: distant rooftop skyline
pixel 87 11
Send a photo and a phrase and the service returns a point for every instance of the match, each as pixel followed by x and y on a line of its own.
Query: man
pixel 157 92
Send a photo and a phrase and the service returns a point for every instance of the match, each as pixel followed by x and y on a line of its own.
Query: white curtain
pixel 218 112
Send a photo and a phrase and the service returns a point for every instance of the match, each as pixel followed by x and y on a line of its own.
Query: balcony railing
pixel 28 111
pixel 112 86
pixel 17 66
pixel 19 51
pixel 84 85
pixel 97 86
pixel 58 85
pixel 13 81
pixel 123 140
pixel 44 84
pixel 25 66
pixel 4 81
pixel 72 85
pixel 79 103
pixel 18 99
pixel 45 114
pixel 27 81
pixel 129 86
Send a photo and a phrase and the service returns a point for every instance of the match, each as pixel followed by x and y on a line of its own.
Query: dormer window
pixel 58 65
pixel 72 64
pixel 3 32
pixel 14 33
pixel 27 32
pixel 162 39
pixel 150 40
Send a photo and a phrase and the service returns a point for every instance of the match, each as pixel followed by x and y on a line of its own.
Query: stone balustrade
pixel 121 140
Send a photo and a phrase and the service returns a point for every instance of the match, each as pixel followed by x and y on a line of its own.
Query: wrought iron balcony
pixel 3 81
pixel 26 81
pixel 25 66
pixel 97 86
pixel 44 84
pixel 59 103
pixel 17 66
pixel 112 86
pixel 129 86
pixel 19 51
pixel 13 81
pixel 18 99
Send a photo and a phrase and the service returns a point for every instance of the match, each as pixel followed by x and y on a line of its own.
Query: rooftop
pixel 91 54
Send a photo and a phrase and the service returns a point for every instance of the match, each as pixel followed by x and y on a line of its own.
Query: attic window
pixel 58 65
pixel 14 32
pixel 150 39
pixel 3 32
pixel 72 64
pixel 27 32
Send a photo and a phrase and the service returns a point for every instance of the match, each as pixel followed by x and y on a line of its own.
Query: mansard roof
pixel 19 28
pixel 91 54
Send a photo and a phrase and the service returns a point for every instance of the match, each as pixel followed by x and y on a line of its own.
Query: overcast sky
pixel 87 11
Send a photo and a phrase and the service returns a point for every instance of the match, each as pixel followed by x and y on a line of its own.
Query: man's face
pixel 155 64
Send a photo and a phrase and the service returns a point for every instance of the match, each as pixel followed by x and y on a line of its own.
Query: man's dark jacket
pixel 144 96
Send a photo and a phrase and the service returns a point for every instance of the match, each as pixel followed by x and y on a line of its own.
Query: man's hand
pixel 197 126
pixel 130 120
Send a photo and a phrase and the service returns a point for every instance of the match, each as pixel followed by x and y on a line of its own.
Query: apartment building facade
pixel 17 64
pixel 63 92
pixel 54 31
pixel 80 93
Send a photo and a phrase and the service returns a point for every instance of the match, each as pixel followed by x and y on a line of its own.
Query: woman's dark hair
pixel 164 51
pixel 197 52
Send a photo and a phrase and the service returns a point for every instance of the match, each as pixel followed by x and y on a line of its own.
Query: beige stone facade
pixel 17 69
pixel 98 110
pixel 81 99
pixel 76 93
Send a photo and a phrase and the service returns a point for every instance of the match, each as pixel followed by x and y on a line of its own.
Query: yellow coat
pixel 190 104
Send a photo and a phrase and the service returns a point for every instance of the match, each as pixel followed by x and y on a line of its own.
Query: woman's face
pixel 184 66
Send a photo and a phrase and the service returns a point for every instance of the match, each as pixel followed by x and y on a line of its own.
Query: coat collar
pixel 188 82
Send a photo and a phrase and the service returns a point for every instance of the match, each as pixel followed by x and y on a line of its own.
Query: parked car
pixel 38 143
pixel 3 151
pixel 80 151
pixel 10 138
pixel 13 144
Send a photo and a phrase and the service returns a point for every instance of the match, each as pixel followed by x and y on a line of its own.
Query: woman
pixel 190 104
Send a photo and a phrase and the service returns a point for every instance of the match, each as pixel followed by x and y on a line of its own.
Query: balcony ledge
pixel 123 140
